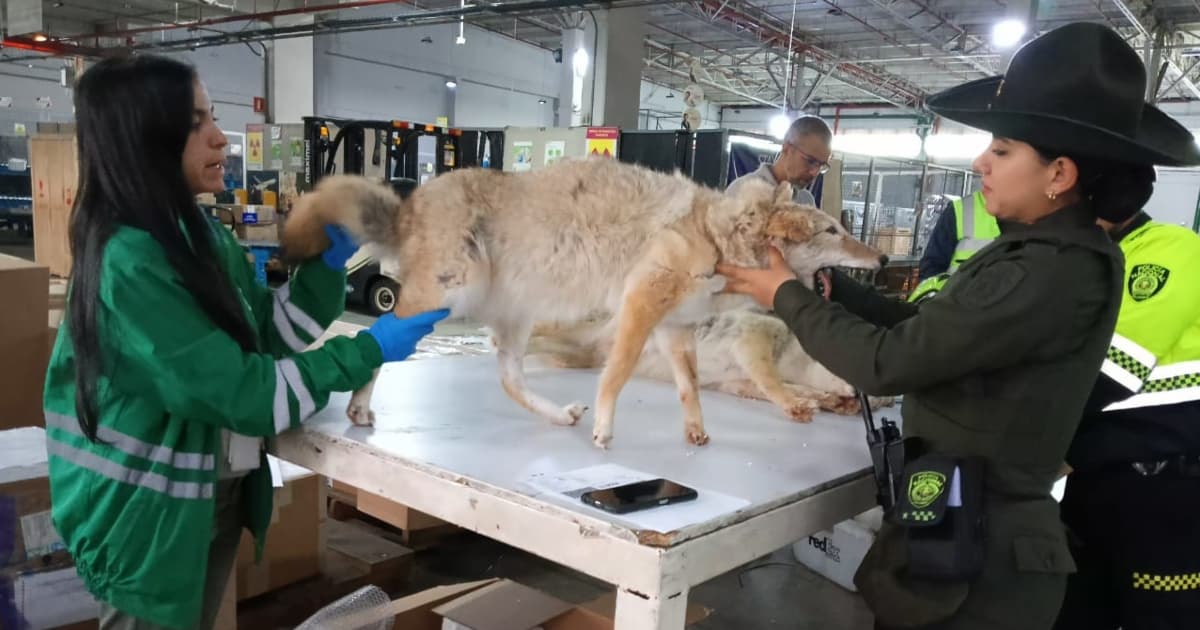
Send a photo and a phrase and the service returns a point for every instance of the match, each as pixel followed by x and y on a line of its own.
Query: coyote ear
pixel 783 193
pixel 790 225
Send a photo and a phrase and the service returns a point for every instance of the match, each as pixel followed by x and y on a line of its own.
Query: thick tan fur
pixel 589 239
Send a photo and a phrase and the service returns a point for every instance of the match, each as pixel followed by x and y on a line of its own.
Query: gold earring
pixel 1051 195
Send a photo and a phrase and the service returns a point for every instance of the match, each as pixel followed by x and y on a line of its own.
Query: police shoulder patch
pixel 1146 280
pixel 992 284
pixel 925 487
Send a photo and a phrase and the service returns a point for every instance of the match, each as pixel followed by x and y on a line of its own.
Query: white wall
pixel 233 75
pixel 23 85
pixel 392 74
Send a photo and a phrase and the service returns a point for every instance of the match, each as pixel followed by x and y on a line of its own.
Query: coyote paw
pixel 571 414
pixel 696 435
pixel 801 409
pixel 360 413
pixel 845 405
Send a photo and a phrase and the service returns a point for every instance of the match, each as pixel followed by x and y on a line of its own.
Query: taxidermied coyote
pixel 583 239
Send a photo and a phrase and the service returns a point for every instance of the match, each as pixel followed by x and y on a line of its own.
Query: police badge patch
pixel 925 487
pixel 1145 281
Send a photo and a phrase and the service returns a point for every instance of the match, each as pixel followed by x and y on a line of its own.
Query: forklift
pixel 401 153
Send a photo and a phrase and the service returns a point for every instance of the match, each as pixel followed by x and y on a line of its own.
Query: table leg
pixel 636 611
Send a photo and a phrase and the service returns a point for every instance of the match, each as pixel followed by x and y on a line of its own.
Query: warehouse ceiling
pixel 842 51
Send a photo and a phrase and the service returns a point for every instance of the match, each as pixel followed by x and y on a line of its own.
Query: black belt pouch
pixel 942 518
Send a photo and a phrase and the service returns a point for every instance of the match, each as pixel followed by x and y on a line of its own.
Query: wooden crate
pixel 54 171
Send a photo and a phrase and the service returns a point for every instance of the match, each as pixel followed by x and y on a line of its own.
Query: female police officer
pixel 996 369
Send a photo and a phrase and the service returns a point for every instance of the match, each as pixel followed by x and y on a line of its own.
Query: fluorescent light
pixel 889 144
pixel 779 125
pixel 451 84
pixel 579 63
pixel 959 146
pixel 1008 33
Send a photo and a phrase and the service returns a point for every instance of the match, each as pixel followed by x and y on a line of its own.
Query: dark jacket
pixel 939 251
pixel 998 365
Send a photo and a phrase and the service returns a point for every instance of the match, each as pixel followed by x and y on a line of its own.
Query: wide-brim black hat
pixel 1079 89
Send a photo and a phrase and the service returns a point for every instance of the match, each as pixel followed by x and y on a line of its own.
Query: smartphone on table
pixel 639 495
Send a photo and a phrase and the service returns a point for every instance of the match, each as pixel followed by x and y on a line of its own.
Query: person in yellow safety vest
pixel 963 228
pixel 1132 500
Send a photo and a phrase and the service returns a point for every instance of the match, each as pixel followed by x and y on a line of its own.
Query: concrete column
pixel 619 63
pixel 290 70
pixel 608 89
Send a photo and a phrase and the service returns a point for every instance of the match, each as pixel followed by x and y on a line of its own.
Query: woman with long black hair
pixel 174 365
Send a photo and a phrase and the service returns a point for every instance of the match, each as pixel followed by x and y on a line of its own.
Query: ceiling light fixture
pixel 40 38
pixel 1008 33
pixel 451 84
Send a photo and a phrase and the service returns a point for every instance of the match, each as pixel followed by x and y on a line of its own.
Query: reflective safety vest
pixel 974 228
pixel 1155 351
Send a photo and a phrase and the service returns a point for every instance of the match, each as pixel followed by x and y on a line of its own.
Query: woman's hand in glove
pixel 341 247
pixel 398 337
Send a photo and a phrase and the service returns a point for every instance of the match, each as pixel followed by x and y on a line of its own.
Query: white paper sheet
pixel 566 487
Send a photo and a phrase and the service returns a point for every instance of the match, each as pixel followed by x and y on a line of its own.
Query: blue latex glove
pixel 398 337
pixel 341 247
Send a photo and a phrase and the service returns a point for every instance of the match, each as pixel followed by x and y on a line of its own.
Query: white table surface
pixel 451 417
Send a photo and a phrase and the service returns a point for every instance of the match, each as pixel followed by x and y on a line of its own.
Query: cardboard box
pixel 47 592
pixel 837 554
pixel 894 241
pixel 394 514
pixel 359 552
pixel 25 485
pixel 54 599
pixel 293 548
pixel 266 233
pixel 25 293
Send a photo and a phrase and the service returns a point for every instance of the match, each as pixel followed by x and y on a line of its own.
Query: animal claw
pixel 697 436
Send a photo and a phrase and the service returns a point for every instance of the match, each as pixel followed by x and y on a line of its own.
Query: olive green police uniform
pixel 998 365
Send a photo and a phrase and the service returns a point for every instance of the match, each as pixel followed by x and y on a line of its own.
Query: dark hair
pixel 134 116
pixel 1116 190
pixel 809 125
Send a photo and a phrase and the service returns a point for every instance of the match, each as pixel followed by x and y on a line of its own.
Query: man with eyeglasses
pixel 805 155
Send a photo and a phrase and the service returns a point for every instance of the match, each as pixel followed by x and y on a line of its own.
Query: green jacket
pixel 1147 399
pixel 999 365
pixel 136 508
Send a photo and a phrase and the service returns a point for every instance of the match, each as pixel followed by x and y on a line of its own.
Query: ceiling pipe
pixel 911 95
pixel 363 24
pixel 262 16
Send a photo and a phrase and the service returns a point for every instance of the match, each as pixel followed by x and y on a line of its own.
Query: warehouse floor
pixel 772 592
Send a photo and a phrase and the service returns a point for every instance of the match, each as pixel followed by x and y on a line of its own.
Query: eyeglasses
pixel 812 162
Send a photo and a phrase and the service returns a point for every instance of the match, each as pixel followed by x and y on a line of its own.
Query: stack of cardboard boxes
pixel 25 341
pixel 39 588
